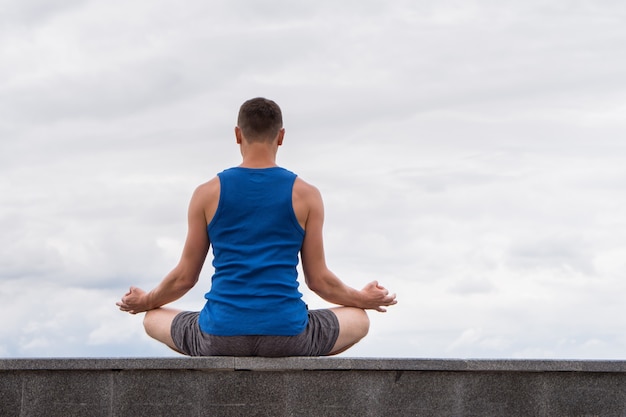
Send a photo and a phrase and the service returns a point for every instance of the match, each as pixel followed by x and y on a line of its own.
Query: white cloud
pixel 470 156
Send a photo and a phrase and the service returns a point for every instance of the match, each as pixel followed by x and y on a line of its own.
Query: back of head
pixel 260 119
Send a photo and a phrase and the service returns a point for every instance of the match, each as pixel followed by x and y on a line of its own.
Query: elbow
pixel 185 286
pixel 311 284
pixel 315 287
pixel 185 279
pixel 187 282
pixel 318 285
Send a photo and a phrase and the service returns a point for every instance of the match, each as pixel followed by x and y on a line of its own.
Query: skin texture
pixel 309 209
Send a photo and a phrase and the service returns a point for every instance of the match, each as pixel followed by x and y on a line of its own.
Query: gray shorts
pixel 317 339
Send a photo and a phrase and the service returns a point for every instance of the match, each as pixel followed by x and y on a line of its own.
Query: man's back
pixel 256 239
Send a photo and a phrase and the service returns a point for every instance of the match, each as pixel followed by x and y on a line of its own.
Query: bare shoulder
pixel 208 188
pixel 305 190
pixel 206 198
pixel 307 202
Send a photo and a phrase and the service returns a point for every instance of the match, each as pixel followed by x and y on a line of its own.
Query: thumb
pixel 375 284
pixel 370 285
pixel 132 291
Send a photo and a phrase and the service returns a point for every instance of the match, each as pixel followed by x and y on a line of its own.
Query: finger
pixel 389 301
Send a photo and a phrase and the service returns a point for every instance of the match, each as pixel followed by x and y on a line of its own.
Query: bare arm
pixel 185 275
pixel 320 279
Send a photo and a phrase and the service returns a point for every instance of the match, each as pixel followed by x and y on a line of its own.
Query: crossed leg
pixel 353 326
pixel 158 325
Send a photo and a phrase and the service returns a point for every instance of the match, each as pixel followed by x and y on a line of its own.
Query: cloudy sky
pixel 471 155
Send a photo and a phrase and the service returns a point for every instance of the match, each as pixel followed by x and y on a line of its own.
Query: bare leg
pixel 158 325
pixel 353 326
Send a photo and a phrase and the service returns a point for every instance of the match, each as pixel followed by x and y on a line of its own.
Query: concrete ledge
pixel 223 363
pixel 227 386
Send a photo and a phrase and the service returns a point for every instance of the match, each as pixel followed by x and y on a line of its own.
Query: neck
pixel 258 155
pixel 248 163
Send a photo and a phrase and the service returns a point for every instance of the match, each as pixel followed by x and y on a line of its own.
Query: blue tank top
pixel 256 239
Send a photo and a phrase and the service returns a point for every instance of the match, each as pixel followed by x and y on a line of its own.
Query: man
pixel 257 217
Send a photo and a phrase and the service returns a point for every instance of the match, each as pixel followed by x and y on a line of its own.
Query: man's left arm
pixel 186 273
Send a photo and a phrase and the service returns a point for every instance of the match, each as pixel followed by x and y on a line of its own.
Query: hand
pixel 134 301
pixel 376 297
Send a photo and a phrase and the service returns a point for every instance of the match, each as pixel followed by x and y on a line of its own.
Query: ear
pixel 238 135
pixel 281 135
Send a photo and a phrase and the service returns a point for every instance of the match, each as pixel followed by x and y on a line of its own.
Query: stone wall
pixel 226 386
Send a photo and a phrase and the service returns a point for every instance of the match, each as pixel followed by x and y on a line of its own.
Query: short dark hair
pixel 260 119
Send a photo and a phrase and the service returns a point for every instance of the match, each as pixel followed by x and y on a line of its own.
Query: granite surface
pixel 314 363
pixel 226 386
